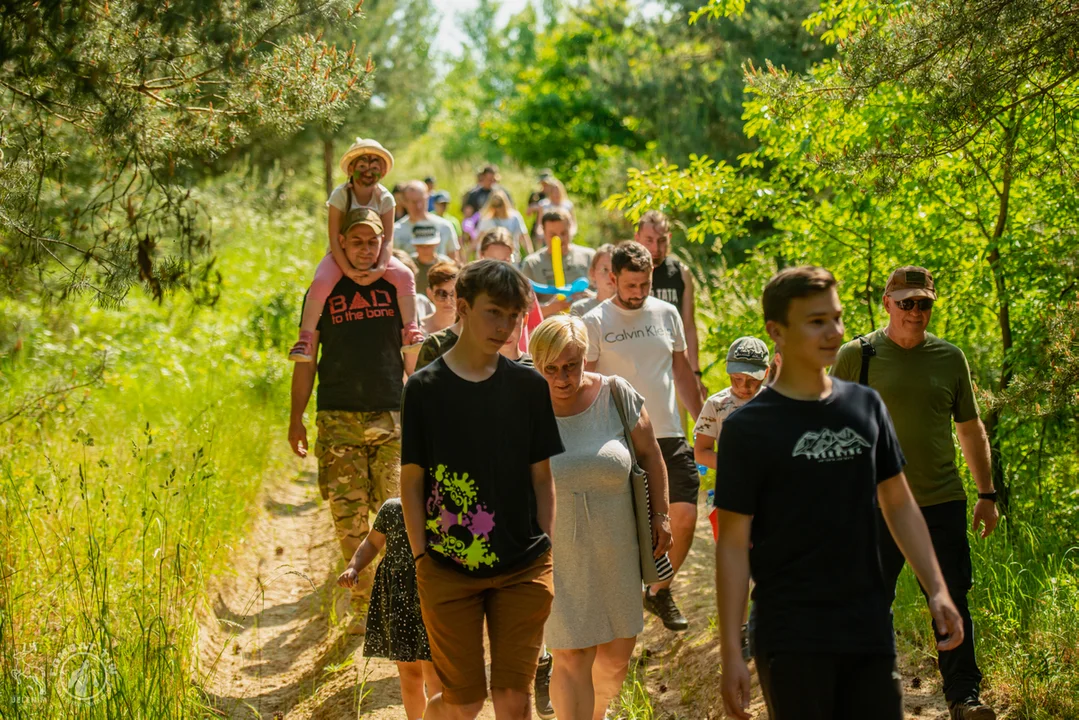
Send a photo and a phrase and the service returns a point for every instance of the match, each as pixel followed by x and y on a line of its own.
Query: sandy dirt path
pixel 273 643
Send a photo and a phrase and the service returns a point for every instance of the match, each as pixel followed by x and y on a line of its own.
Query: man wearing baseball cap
pixel 360 375
pixel 925 384
pixel 441 203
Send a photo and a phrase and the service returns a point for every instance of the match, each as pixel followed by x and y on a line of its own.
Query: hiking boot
pixel 541 688
pixel 662 606
pixel 747 654
pixel 303 350
pixel 971 709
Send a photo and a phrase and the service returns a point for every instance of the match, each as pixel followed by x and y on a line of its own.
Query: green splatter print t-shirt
pixel 477 442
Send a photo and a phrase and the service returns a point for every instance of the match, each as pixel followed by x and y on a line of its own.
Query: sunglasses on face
pixel 923 304
pixel 444 294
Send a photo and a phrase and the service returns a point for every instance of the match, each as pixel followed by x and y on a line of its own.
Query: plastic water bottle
pixel 702 470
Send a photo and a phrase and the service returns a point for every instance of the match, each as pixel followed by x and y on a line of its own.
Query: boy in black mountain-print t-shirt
pixel 799 471
pixel 478 498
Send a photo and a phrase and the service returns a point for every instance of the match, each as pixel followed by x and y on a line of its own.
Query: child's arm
pixel 338 253
pixel 368 550
pixel 704 450
pixel 387 243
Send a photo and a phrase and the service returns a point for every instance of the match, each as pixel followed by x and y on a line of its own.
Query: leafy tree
pixel 612 84
pixel 112 110
pixel 943 134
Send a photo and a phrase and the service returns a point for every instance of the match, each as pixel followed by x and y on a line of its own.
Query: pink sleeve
pixel 398 274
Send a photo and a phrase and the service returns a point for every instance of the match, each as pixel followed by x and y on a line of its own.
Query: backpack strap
pixel 868 352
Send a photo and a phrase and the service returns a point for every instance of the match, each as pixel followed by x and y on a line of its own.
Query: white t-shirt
pixel 404 230
pixel 514 223
pixel 639 346
pixel 716 409
pixel 381 200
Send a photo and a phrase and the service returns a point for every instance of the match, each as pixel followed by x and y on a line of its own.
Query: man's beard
pixel 631 303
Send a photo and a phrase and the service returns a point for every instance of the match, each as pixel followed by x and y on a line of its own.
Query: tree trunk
pixel 327 162
pixel 992 419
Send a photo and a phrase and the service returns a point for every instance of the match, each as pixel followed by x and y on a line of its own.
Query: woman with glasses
pixel 441 282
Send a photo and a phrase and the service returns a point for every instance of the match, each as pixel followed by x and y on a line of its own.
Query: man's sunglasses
pixel 923 304
pixel 444 294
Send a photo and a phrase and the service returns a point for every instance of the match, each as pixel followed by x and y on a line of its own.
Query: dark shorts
pixel 683 480
pixel 827 686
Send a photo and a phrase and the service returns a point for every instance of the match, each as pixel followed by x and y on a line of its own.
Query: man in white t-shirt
pixel 641 338
pixel 420 223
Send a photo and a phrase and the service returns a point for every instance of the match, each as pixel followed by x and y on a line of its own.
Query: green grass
pixel 1025 605
pixel 119 501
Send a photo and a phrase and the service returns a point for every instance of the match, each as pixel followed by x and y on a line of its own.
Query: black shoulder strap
pixel 868 351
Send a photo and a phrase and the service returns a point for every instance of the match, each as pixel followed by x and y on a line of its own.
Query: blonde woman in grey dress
pixel 597 610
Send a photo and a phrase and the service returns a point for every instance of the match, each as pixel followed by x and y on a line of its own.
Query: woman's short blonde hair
pixel 552 336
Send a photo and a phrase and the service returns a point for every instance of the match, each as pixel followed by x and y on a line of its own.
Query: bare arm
pixel 704 450
pixel 334 229
pixel 303 383
pixel 975 446
pixel 732 591
pixel 907 525
pixel 543 484
pixel 689 320
pixel 386 252
pixel 368 550
pixel 413 506
pixel 554 306
pixel 685 382
pixel 650 458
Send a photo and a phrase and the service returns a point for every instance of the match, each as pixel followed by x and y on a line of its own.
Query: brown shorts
pixel 516 606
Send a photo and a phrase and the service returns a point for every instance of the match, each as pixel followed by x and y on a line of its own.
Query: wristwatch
pixel 991 496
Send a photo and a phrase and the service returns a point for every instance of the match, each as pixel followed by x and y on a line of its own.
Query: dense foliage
pixel 111 110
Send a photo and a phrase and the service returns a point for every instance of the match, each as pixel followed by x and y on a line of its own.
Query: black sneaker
pixel 746 653
pixel 662 606
pixel 971 709
pixel 541 689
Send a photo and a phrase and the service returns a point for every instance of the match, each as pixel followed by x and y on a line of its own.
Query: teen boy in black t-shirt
pixel 478 497
pixel 798 470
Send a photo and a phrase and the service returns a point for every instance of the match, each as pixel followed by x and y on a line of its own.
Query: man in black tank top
pixel 671 282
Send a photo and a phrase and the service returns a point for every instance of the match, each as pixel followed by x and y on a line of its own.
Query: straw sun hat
pixel 366 147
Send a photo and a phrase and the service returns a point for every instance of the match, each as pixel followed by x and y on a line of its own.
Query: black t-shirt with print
pixel 476 442
pixel 360 368
pixel 807 471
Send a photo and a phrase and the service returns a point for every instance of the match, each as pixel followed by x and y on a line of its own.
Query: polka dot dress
pixel 395 627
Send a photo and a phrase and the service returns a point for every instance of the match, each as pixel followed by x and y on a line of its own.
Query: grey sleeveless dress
pixel 597 574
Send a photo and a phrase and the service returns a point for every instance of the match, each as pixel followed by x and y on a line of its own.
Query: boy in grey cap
pixel 747 365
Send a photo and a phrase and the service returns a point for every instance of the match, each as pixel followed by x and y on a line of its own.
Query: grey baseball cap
pixel 748 355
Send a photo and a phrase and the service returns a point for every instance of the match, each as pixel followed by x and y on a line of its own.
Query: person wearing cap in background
pixel 425 254
pixel 421 225
pixel 429 181
pixel 748 367
pixel 486 182
pixel 925 384
pixel 440 200
pixel 360 381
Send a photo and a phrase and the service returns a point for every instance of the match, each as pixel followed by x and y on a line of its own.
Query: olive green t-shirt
pixel 435 346
pixel 924 389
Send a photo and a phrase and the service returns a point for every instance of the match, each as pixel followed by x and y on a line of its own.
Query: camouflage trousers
pixel 359 468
